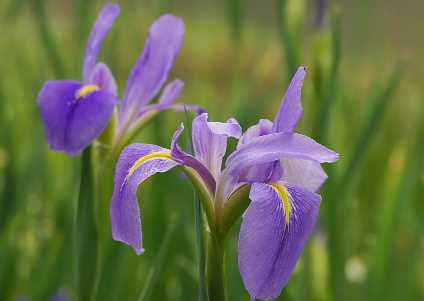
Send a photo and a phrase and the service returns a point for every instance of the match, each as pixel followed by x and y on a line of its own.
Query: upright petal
pixel 262 128
pixel 102 77
pixel 290 109
pixel 304 173
pixel 136 163
pixel 179 155
pixel 101 27
pixel 56 100
pixel 90 115
pixel 152 68
pixel 270 148
pixel 210 141
pixel 275 229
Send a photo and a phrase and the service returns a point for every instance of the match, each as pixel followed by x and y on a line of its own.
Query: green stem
pixel 86 242
pixel 215 267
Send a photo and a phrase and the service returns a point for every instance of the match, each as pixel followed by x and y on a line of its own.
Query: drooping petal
pixel 152 68
pixel 262 128
pixel 270 148
pixel 136 163
pixel 275 229
pixel 304 173
pixel 102 77
pixel 56 100
pixel 179 155
pixel 101 27
pixel 210 141
pixel 290 109
pixel 90 115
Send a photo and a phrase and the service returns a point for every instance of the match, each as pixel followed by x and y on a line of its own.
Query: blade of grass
pixel 157 266
pixel 199 230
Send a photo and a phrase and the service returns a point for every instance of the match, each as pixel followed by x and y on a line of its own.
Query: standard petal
pixel 56 100
pixel 270 148
pixel 210 141
pixel 136 163
pixel 290 109
pixel 304 173
pixel 179 155
pixel 101 27
pixel 102 77
pixel 152 68
pixel 275 229
pixel 90 115
pixel 262 128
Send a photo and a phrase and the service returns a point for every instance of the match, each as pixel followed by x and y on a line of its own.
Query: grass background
pixel 362 97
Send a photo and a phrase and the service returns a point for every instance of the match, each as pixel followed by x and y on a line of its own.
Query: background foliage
pixel 362 97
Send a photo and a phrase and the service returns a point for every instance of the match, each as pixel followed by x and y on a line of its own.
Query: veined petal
pixel 179 155
pixel 89 116
pixel 275 229
pixel 136 163
pixel 101 27
pixel 290 109
pixel 102 77
pixel 210 141
pixel 152 68
pixel 304 173
pixel 269 148
pixel 262 128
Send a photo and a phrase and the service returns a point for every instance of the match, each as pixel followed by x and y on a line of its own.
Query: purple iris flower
pixel 281 168
pixel 59 297
pixel 75 113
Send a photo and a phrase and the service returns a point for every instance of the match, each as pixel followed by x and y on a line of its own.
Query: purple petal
pixel 179 155
pixel 210 141
pixel 136 163
pixel 304 173
pixel 91 114
pixel 290 109
pixel 101 27
pixel 275 229
pixel 277 172
pixel 169 96
pixel 262 128
pixel 152 68
pixel 269 148
pixel 102 76
pixel 260 172
pixel 55 100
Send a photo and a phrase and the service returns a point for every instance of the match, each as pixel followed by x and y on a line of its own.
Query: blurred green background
pixel 362 97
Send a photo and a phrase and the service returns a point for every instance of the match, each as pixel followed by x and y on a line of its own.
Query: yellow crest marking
pixel 84 90
pixel 146 158
pixel 282 191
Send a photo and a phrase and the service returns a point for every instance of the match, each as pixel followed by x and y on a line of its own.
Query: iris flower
pixel 76 113
pixel 276 168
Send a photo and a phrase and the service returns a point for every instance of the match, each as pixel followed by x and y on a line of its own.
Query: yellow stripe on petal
pixel 282 191
pixel 147 158
pixel 84 90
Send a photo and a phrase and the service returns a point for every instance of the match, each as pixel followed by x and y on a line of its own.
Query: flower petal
pixel 90 115
pixel 304 173
pixel 179 155
pixel 56 100
pixel 210 141
pixel 290 109
pixel 102 77
pixel 152 68
pixel 269 148
pixel 101 27
pixel 136 163
pixel 262 128
pixel 275 229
